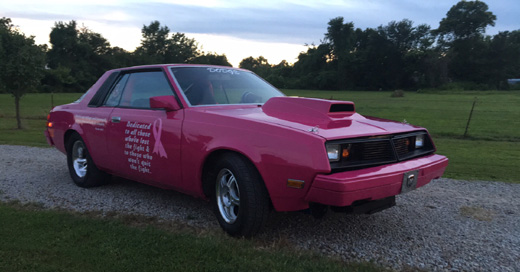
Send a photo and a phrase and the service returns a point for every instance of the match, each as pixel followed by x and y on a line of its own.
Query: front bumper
pixel 343 189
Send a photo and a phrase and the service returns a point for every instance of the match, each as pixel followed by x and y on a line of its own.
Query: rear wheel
pixel 240 199
pixel 82 169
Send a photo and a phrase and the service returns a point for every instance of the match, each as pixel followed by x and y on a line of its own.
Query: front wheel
pixel 82 169
pixel 240 200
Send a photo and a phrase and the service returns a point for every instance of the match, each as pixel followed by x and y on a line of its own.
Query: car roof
pixel 151 66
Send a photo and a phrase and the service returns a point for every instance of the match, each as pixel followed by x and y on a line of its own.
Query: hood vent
pixel 343 108
pixel 310 111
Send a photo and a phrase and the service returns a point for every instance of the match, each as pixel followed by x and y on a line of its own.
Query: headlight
pixel 333 152
pixel 419 141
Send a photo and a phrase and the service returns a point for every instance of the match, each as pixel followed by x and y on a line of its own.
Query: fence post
pixel 469 119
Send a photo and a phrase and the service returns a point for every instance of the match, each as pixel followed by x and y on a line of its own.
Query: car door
pixel 144 143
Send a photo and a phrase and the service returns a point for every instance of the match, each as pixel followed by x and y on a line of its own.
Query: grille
pixel 376 150
pixel 402 146
pixel 368 152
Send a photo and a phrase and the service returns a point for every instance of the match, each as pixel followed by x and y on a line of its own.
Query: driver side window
pixel 134 90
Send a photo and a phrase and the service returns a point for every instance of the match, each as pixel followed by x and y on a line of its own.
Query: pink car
pixel 226 135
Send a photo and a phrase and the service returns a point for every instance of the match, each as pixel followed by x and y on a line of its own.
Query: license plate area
pixel 409 181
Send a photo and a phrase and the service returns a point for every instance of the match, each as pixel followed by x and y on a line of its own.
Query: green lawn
pixel 33 109
pixel 491 150
pixel 481 160
pixel 35 105
pixel 496 116
pixel 36 240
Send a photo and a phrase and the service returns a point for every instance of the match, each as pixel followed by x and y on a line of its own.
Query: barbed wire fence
pixel 475 119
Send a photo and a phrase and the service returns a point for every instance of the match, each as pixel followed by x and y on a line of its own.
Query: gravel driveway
pixel 448 225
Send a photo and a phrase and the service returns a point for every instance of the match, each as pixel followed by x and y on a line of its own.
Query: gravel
pixel 448 225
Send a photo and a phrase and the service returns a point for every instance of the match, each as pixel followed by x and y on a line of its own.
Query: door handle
pixel 116 119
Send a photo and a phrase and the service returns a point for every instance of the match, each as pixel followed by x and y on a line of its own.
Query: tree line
pixel 401 55
pixel 78 56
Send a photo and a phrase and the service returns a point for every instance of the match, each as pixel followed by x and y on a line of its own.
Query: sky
pixel 276 29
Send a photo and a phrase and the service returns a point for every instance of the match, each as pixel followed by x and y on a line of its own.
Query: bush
pixel 397 93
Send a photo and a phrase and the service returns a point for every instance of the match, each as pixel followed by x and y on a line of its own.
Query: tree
pixel 406 49
pixel 280 75
pixel 340 38
pixel 376 61
pixel 154 40
pixel 77 58
pixel 211 58
pixel 21 63
pixel 461 37
pixel 97 57
pixel 259 66
pixel 181 49
pixel 97 43
pixel 119 57
pixel 503 58
pixel 65 49
pixel 314 69
pixel 158 46
pixel 466 19
pixel 405 37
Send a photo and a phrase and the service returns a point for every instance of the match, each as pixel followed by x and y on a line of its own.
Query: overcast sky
pixel 276 30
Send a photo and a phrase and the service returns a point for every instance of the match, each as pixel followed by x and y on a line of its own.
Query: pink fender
pixel 278 153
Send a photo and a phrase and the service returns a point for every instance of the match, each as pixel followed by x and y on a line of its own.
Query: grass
pixel 481 160
pixel 33 109
pixel 490 151
pixel 496 115
pixel 37 240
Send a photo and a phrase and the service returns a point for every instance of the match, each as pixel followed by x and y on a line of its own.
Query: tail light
pixel 49 123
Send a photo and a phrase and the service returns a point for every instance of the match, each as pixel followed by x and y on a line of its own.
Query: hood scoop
pixel 309 111
pixel 347 108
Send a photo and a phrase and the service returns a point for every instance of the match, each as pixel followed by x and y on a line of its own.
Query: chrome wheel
pixel 82 168
pixel 79 159
pixel 228 196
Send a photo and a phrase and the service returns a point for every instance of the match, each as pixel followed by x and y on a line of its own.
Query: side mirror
pixel 166 102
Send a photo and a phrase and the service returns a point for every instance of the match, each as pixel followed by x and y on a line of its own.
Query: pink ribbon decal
pixel 157 130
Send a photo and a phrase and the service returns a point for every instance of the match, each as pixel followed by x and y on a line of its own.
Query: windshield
pixel 210 85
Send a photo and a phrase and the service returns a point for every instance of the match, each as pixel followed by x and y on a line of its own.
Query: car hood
pixel 329 119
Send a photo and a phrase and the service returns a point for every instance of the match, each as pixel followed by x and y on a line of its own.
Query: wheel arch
pixel 207 170
pixel 67 136
pixel 74 129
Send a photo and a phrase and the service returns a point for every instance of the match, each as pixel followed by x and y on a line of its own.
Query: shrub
pixel 397 93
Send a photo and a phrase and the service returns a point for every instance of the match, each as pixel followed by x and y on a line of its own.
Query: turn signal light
pixel 294 183
pixel 49 124
pixel 345 153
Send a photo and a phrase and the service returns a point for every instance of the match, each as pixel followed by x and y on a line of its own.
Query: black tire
pixel 82 169
pixel 246 216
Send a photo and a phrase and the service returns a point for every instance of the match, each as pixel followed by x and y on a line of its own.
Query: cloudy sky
pixel 275 29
